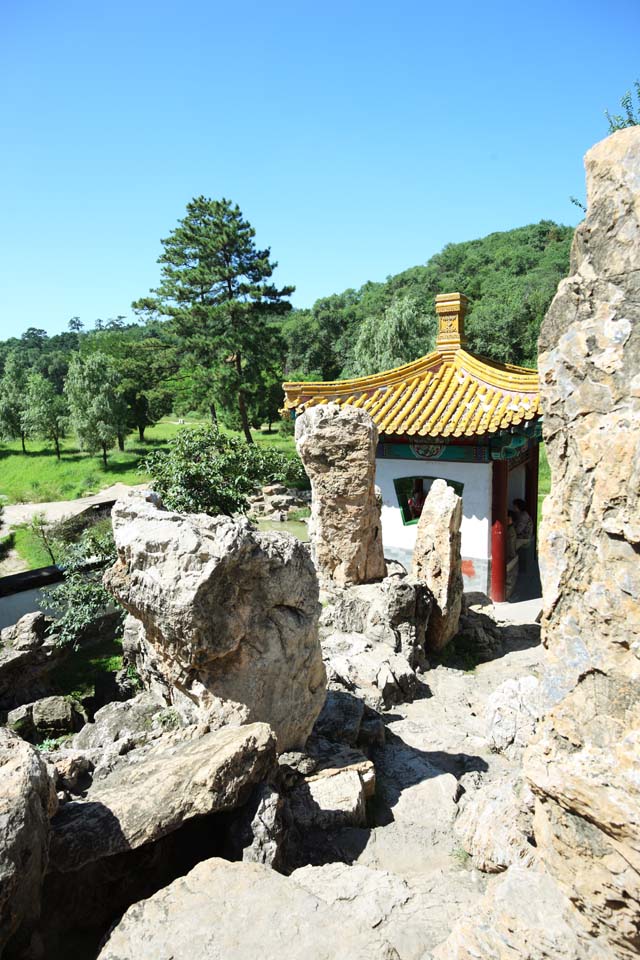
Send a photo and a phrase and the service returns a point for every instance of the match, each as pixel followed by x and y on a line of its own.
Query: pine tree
pixel 215 285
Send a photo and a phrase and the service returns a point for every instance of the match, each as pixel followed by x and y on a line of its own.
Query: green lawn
pixel 76 676
pixel 38 476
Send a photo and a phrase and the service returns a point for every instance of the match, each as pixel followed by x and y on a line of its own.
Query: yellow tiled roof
pixel 448 393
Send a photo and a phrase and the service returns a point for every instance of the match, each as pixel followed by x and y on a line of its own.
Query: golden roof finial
pixel 451 308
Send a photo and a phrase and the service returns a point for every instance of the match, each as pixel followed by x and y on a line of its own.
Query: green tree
pixel 628 118
pixel 13 392
pixel 215 287
pixel 45 412
pixel 97 409
pixel 403 334
pixel 205 471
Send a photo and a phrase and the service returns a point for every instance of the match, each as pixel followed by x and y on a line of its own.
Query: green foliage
pixel 45 412
pixel 81 600
pixel 206 471
pixel 629 117
pixel 13 390
pixel 97 410
pixel 403 331
pixel 76 675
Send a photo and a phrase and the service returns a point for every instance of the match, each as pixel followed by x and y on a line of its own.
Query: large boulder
pixel 155 789
pixel 230 616
pixel 337 446
pixel 240 911
pixel 27 653
pixel 27 799
pixel 584 762
pixel 437 561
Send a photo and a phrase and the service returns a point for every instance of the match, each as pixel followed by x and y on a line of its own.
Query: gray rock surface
pixel 584 762
pixel 337 446
pixel 438 563
pixel 27 800
pixel 496 824
pixel 53 716
pixel 371 670
pixel 27 654
pixel 230 614
pixel 154 790
pixel 239 911
pixel 511 714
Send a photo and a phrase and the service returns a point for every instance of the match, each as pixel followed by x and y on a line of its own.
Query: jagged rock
pixel 20 721
pixel 258 833
pixel 328 802
pixel 231 615
pixel 414 789
pixel 394 612
pixel 511 713
pixel 266 915
pixel 27 654
pixel 369 669
pixel 121 726
pixel 72 770
pixel 341 717
pixel 437 561
pixel 584 763
pixel 53 716
pixel 496 824
pixel 146 797
pixel 337 446
pixel 27 800
pixel 523 916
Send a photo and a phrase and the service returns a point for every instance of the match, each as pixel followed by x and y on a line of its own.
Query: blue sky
pixel 357 137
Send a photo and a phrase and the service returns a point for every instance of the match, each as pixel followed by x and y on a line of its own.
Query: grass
pixel 30 548
pixel 544 479
pixel 76 676
pixel 39 477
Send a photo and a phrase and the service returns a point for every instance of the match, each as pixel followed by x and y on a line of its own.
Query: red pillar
pixel 499 491
pixel 531 485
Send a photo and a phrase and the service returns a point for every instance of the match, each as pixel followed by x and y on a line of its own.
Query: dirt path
pixel 16 513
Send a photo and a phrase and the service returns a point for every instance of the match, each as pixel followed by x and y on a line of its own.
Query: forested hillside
pixel 509 277
pixel 102 383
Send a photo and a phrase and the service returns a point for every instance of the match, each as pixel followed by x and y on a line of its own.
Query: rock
pixel 329 802
pixel 394 612
pixel 27 799
pixel 265 915
pixel 380 677
pixel 53 716
pixel 258 833
pixel 341 717
pixel 27 654
pixel 148 796
pixel 511 714
pixel 337 446
pixel 496 824
pixel 230 614
pixel 523 916
pixel 584 762
pixel 127 724
pixel 72 770
pixel 20 721
pixel 437 561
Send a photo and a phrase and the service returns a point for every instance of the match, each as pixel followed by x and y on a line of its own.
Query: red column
pixel 499 490
pixel 531 485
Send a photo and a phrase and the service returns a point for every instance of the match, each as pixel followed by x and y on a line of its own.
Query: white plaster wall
pixel 517 480
pixel 476 502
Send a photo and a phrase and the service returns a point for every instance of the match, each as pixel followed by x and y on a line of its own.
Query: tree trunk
pixel 214 414
pixel 120 441
pixel 104 454
pixel 57 443
pixel 141 429
pixel 24 449
pixel 242 406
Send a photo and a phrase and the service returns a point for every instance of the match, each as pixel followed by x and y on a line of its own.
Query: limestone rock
pixel 230 613
pixel 329 802
pixel 151 795
pixel 258 833
pixel 53 716
pixel 27 799
pixel 27 654
pixel 126 723
pixel 584 762
pixel 337 446
pixel 437 561
pixel 265 915
pixel 496 823
pixel 341 717
pixel 511 714
pixel 371 670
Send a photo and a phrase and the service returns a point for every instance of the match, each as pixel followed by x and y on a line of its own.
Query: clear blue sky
pixel 357 137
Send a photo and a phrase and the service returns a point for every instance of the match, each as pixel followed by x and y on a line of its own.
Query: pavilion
pixel 466 419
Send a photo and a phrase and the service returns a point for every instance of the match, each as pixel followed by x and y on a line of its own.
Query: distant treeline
pixel 103 382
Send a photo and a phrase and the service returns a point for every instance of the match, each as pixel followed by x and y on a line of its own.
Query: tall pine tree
pixel 215 285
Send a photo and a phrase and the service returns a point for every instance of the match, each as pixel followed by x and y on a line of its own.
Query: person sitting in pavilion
pixel 523 524
pixel 416 500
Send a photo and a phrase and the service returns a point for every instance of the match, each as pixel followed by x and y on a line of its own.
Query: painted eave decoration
pixel 448 393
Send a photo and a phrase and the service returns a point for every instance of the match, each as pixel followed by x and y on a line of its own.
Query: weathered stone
pixel 127 724
pixel 337 446
pixel 258 833
pixel 151 795
pixel 584 762
pixel 496 825
pixel 27 654
pixel 53 716
pixel 27 799
pixel 512 711
pixel 437 561
pixel 341 717
pixel 265 915
pixel 231 615
pixel 328 802
pixel 371 670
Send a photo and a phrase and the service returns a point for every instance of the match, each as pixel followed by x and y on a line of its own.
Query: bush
pixel 205 471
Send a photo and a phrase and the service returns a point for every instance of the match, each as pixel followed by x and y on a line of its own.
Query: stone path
pixel 16 513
